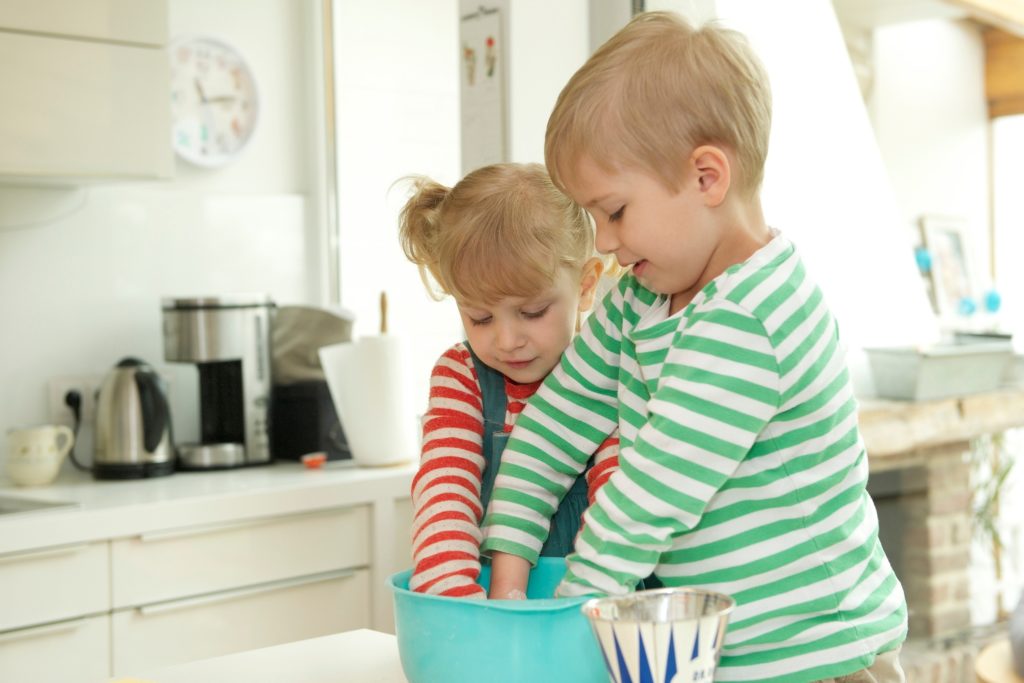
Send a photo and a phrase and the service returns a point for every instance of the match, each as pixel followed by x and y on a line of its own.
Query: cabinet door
pixel 146 638
pixel 129 21
pixel 197 560
pixel 82 110
pixel 50 585
pixel 403 535
pixel 76 651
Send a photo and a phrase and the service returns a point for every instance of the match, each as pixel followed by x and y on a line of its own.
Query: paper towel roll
pixel 370 391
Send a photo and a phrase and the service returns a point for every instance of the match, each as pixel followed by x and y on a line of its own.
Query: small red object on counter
pixel 314 460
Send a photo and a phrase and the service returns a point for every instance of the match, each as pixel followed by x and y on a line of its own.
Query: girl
pixel 518 258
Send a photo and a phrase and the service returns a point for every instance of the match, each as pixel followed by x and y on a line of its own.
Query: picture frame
pixel 953 286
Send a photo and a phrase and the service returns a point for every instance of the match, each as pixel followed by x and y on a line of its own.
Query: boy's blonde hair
pixel 657 90
pixel 502 231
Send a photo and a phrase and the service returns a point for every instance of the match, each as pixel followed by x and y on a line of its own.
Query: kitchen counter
pixel 135 575
pixel 362 656
pixel 113 509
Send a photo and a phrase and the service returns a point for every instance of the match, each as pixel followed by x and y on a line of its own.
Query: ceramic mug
pixel 35 454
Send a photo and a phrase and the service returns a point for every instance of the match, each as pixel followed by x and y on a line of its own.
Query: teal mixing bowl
pixel 455 640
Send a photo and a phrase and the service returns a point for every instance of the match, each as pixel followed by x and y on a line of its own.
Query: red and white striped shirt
pixel 446 491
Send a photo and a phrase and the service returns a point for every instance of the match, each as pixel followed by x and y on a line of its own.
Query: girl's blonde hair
pixel 502 231
pixel 657 90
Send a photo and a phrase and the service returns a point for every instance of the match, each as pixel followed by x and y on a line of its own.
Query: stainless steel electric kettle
pixel 133 424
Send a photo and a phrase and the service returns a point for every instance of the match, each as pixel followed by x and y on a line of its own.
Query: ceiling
pixel 872 13
pixel 1007 15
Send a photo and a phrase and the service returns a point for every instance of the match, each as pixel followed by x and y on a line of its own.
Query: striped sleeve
pixel 446 489
pixel 719 388
pixel 606 461
pixel 571 415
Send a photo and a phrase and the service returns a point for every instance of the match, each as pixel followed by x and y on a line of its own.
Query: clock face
pixel 214 105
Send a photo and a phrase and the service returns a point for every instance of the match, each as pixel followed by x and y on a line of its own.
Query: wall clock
pixel 214 102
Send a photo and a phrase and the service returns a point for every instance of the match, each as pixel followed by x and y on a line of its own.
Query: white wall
pixel 399 116
pixel 826 186
pixel 82 291
pixel 548 41
pixel 930 118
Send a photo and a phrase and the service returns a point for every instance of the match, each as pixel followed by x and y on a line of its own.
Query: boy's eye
pixel 533 315
pixel 617 215
pixel 481 321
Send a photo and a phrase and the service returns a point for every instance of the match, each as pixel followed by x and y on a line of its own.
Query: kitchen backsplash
pixel 82 292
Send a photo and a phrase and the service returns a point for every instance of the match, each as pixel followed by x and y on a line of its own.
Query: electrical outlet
pixel 86 385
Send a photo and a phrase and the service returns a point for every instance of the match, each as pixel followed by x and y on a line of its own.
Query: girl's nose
pixel 509 336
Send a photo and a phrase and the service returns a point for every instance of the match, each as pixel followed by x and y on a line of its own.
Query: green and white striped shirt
pixel 742 468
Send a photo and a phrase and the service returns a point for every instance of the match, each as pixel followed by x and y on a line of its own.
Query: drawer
pixel 150 637
pixel 76 651
pixel 193 561
pixel 54 584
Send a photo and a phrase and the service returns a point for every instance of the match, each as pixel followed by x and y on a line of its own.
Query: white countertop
pixel 113 509
pixel 361 656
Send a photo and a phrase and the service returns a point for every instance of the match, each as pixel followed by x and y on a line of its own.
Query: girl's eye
pixel 533 315
pixel 481 321
pixel 617 215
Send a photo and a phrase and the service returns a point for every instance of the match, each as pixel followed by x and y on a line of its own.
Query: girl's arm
pixel 606 461
pixel 446 490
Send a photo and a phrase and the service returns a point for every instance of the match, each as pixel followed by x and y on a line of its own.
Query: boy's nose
pixel 604 238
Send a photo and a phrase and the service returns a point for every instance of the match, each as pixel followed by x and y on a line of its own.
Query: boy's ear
pixel 592 270
pixel 713 173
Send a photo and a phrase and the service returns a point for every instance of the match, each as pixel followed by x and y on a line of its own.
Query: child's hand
pixel 509 576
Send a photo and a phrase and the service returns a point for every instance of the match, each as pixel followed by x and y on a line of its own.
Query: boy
pixel 742 469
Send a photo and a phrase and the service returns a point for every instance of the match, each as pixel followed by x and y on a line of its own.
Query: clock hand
pixel 199 89
pixel 221 98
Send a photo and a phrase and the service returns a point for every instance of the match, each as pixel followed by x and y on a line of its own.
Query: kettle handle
pixel 155 412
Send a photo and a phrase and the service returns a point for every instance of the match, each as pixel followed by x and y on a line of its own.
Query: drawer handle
pixel 40 631
pixel 185 532
pixel 43 554
pixel 224 596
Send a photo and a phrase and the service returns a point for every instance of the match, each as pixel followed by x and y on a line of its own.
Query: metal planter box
pixel 939 371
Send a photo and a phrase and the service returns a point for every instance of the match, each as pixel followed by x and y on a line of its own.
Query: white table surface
pixel 362 656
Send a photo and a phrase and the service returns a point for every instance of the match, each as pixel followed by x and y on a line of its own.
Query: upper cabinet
pixel 84 91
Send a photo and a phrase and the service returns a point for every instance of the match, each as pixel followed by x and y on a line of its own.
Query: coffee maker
pixel 228 339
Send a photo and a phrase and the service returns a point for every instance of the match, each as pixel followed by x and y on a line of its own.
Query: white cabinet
pixel 49 602
pixel 73 651
pixel 199 592
pixel 182 563
pixel 54 584
pixel 150 637
pixel 84 88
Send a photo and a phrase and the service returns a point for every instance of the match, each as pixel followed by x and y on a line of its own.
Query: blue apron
pixel 566 521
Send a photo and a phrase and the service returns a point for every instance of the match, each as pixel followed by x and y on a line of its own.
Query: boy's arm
pixel 446 489
pixel 719 387
pixel 509 577
pixel 510 573
pixel 573 412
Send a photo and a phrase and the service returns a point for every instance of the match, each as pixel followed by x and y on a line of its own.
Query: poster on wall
pixel 482 67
